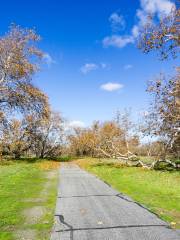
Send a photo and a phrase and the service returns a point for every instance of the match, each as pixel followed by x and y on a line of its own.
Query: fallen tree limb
pixel 128 158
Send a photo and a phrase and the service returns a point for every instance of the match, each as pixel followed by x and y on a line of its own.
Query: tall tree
pixel 18 63
pixel 164 114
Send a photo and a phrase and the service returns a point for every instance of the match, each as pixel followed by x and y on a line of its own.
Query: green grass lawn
pixel 27 199
pixel 159 191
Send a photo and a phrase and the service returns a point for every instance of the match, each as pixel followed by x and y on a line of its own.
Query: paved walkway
pixel 89 209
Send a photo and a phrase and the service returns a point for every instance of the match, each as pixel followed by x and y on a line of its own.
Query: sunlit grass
pixel 24 185
pixel 158 190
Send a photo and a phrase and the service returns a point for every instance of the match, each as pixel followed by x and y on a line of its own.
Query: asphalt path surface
pixel 89 209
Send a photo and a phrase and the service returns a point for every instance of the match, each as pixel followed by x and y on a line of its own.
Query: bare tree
pixel 164 114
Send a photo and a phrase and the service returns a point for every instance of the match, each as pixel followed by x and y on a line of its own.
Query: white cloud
pixel 117 22
pixel 155 7
pixel 135 31
pixel 128 66
pixel 48 59
pixel 111 86
pixel 77 123
pixel 117 41
pixel 88 67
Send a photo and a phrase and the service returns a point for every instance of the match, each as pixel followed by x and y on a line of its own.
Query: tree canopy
pixel 18 63
pixel 163 35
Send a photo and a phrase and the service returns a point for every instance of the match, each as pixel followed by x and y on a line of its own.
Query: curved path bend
pixel 89 209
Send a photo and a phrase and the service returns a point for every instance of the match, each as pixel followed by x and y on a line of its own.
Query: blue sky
pixel 92 66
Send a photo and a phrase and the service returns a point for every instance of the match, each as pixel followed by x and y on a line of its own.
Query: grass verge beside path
pixel 159 191
pixel 27 199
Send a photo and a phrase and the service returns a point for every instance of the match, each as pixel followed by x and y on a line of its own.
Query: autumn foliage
pixel 18 63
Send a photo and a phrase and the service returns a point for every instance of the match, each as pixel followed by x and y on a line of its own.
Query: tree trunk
pixel 1 155
pixel 17 155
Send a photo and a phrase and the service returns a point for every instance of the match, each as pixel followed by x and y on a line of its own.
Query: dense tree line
pixel 34 136
pixel 111 139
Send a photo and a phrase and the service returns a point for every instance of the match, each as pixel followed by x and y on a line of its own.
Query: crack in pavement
pixel 120 195
pixel 61 219
pixel 71 229
pixel 112 227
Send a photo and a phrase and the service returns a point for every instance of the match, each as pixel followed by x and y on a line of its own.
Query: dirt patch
pixel 37 214
pixel 28 234
pixel 33 200
pixel 50 176
pixel 34 214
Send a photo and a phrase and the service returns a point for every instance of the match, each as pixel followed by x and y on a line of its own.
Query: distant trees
pixel 15 138
pixel 42 137
pixel 45 135
pixel 82 142
pixel 119 139
pixel 110 139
